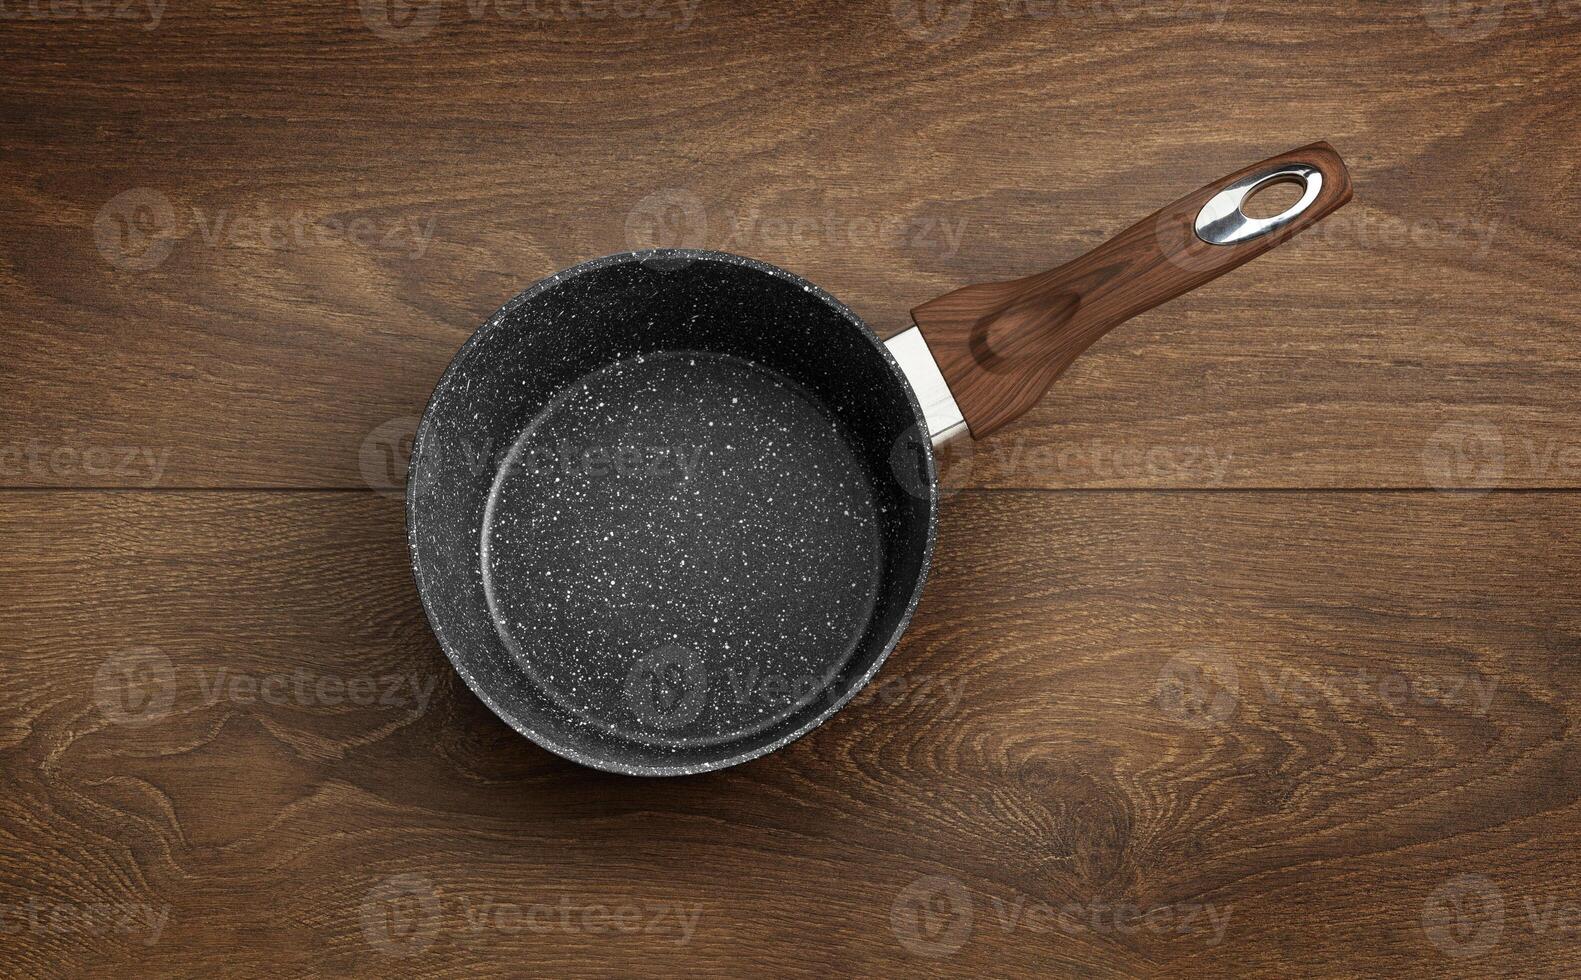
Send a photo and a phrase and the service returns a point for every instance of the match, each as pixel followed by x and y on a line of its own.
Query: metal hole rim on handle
pixel 1222 222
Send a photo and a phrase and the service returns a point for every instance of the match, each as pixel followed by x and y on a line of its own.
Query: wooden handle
pixel 1001 344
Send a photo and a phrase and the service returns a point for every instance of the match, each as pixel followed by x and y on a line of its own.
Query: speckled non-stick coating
pixel 669 510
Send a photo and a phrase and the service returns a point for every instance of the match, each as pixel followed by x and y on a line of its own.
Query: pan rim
pixel 678 255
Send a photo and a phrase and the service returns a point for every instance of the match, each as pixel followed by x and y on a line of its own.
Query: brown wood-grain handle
pixel 1000 345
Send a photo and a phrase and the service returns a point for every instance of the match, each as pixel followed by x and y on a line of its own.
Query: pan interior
pixel 669 510
pixel 682 547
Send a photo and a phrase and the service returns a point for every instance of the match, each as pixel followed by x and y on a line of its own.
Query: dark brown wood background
pixel 1262 629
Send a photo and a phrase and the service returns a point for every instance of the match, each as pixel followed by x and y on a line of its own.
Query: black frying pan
pixel 669 510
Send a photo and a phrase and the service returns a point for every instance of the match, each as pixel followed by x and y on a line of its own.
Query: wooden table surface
pixel 1254 649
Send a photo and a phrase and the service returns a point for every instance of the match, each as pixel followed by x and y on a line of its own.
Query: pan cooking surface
pixel 682 547
pixel 670 510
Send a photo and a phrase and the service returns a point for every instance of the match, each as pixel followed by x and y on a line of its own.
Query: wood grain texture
pixel 1000 345
pixel 346 206
pixel 1318 717
pixel 1282 733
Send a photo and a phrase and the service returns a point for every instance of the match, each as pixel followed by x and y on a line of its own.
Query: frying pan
pixel 669 510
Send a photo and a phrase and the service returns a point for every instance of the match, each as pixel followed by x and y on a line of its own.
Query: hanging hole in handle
pixel 1273 198
pixel 1224 221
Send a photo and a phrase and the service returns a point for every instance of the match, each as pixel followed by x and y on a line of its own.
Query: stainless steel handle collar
pixel 944 418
